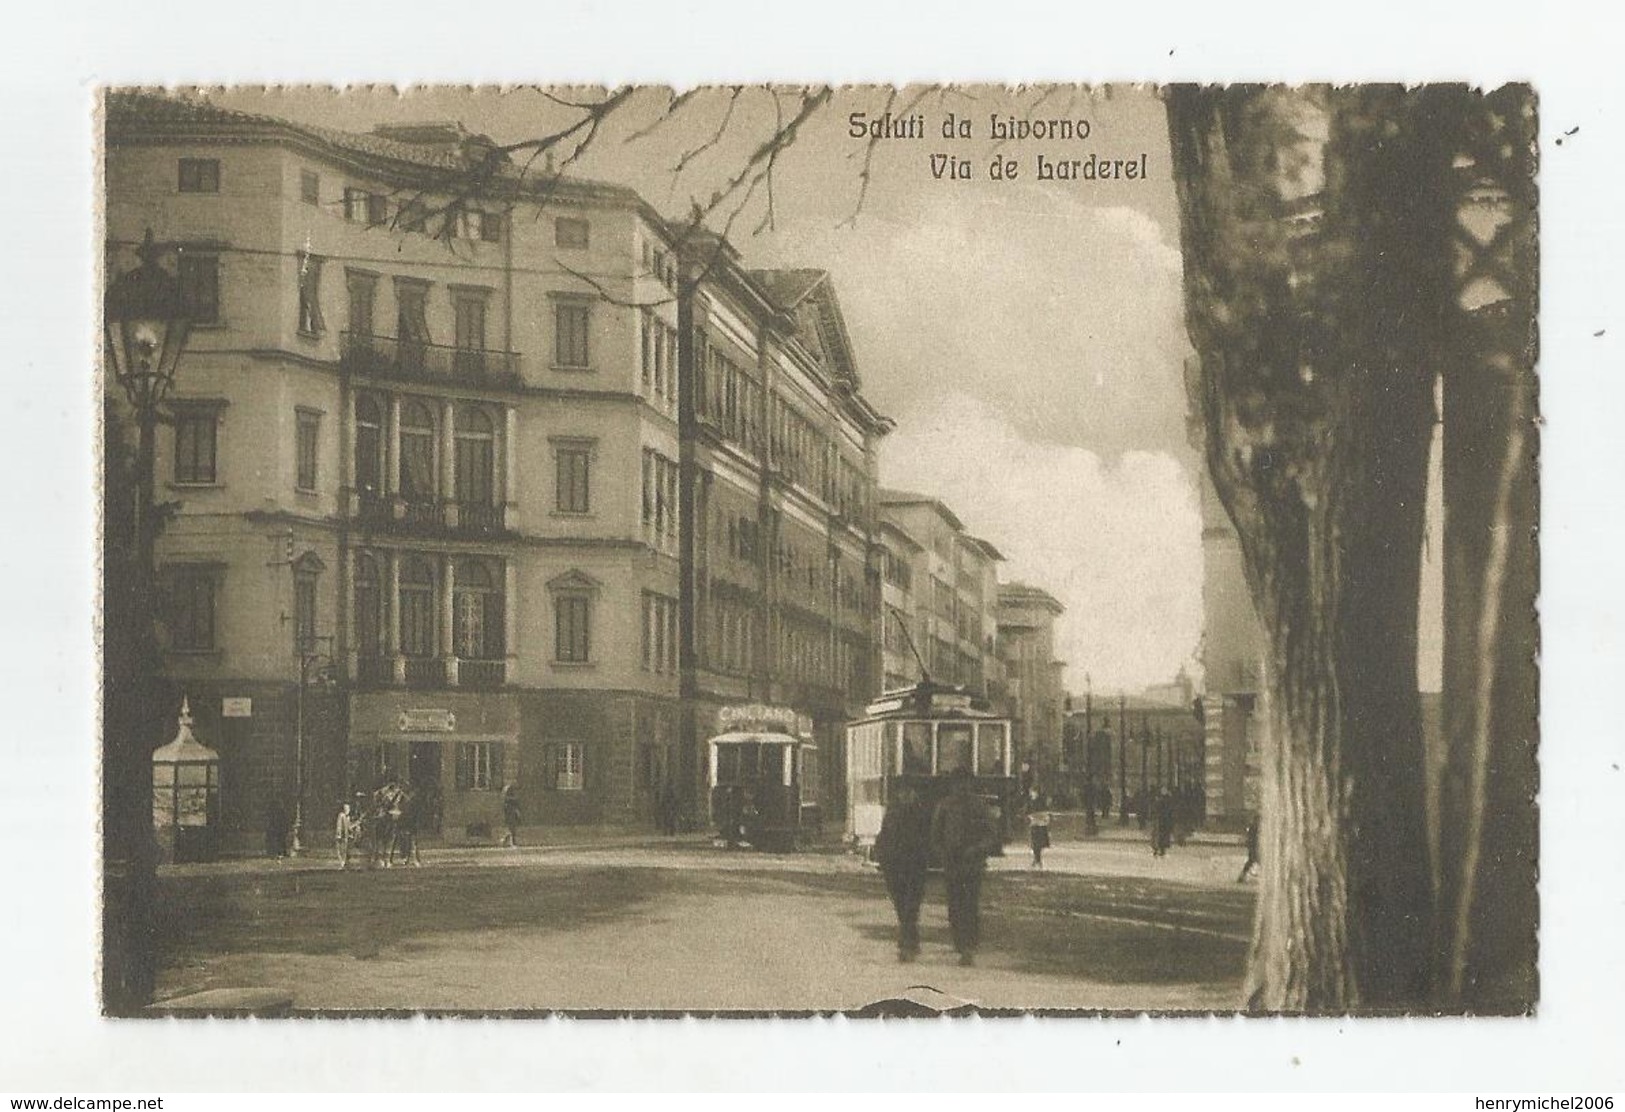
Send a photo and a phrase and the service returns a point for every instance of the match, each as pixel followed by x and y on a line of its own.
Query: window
pixel 570 233
pixel 659 634
pixel 310 187
pixel 565 766
pixel 491 227
pixel 660 483
pixel 916 749
pixel 355 204
pixel 308 427
pixel 417 607
pixel 363 289
pixel 953 748
pixel 377 208
pixel 479 766
pixel 571 640
pixel 476 457
pixel 199 275
pixel 200 175
pixel 573 461
pixel 369 610
pixel 412 323
pixel 477 608
pixel 304 607
pixel 369 444
pixel 191 609
pixel 468 311
pixel 195 446
pixel 310 294
pixel 571 320
pixel 417 451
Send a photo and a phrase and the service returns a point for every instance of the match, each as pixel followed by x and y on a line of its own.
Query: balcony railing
pixel 374 671
pixel 392 511
pixel 389 357
pixel 482 675
pixel 425 671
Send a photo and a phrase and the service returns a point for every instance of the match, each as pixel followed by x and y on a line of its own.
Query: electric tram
pixel 919 737
pixel 763 776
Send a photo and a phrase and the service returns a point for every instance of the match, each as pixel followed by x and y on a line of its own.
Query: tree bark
pixel 1317 279
pixel 1485 933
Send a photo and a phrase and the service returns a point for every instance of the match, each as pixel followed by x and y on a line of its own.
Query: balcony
pixel 430 673
pixel 411 361
pixel 482 675
pixel 374 511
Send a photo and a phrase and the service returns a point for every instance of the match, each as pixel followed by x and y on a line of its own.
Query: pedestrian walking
pixel 1162 823
pixel 1252 863
pixel 964 834
pixel 1038 835
pixel 276 829
pixel 408 825
pixel 668 809
pixel 344 827
pixel 903 851
pixel 510 814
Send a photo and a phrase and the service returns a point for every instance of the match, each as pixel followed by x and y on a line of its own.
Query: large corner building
pixel 535 478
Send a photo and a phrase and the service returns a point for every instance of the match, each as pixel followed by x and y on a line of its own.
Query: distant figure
pixel 381 817
pixel 343 835
pixel 1252 863
pixel 902 849
pixel 729 806
pixel 510 814
pixel 668 809
pixel 964 834
pixel 1038 835
pixel 407 826
pixel 1162 823
pixel 276 829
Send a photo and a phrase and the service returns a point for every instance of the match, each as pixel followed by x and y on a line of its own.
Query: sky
pixel 1025 335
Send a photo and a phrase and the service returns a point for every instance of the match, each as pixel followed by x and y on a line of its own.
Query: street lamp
pixel 145 330
pixel 322 675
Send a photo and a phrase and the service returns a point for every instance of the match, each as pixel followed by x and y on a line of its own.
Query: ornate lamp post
pixel 146 327
pixel 315 667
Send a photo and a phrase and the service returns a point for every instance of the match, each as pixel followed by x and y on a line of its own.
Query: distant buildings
pixel 1035 690
pixel 536 479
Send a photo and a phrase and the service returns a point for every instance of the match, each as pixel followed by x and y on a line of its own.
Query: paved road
pixel 689 927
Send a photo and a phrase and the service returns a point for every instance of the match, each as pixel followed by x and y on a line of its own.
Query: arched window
pixel 417 451
pixel 476 457
pixel 369 444
pixel 369 608
pixel 417 607
pixel 478 605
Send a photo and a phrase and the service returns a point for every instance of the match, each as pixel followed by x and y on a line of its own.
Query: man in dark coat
pixel 902 849
pixel 964 832
pixel 510 815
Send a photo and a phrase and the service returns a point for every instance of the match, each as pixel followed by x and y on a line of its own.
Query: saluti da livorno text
pixel 861 125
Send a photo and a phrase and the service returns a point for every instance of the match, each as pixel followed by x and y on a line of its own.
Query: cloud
pixel 1119 543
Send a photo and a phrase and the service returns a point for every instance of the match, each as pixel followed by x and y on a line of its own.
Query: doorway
pixel 423 774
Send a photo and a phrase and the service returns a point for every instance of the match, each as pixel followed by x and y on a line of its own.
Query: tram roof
pixel 759 737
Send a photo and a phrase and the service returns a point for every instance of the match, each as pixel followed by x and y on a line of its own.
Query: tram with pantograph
pixel 762 772
pixel 920 737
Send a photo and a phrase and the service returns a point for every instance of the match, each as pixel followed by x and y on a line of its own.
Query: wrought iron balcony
pixel 481 519
pixel 482 675
pixel 414 361
pixel 374 671
pixel 425 672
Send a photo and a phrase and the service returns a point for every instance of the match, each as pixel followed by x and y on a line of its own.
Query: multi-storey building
pixel 1036 694
pixel 473 444
pixel 945 585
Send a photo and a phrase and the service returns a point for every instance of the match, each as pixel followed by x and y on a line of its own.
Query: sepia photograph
pixel 806 549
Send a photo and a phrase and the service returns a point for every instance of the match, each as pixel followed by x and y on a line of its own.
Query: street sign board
pixel 236 707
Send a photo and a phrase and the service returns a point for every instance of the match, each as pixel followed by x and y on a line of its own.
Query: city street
pixel 686 926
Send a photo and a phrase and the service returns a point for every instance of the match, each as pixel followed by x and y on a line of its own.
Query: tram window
pixel 916 748
pixel 990 749
pixel 772 767
pixel 809 775
pixel 750 761
pixel 727 764
pixel 888 748
pixel 953 747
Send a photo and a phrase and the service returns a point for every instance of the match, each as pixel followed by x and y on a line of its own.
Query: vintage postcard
pixel 804 549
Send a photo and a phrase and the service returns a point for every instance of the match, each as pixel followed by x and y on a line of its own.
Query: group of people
pixel 960 832
pixel 383 826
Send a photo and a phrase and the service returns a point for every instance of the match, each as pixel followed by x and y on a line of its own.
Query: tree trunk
pixel 1317 280
pixel 1485 934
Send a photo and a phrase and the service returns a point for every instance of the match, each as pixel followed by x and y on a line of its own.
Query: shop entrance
pixel 423 774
